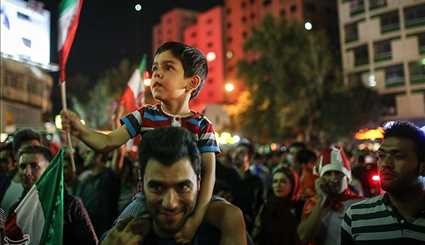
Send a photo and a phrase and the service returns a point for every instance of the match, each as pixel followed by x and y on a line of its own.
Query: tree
pixel 291 78
pixel 96 105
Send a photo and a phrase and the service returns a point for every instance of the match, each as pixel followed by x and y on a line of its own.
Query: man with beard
pixel 323 213
pixel 398 216
pixel 171 169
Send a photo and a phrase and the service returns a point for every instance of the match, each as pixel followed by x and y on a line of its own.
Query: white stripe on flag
pixel 64 24
pixel 30 216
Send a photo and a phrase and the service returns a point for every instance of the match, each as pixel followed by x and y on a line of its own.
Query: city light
pixel 229 87
pixel 229 54
pixel 308 26
pixel 3 137
pixel 147 82
pixel 227 138
pixel 138 7
pixel 371 81
pixel 211 56
pixel 58 121
pixel 376 178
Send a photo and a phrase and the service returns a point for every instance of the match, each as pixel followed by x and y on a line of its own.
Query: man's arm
pixel 95 139
pixel 204 198
pixel 310 225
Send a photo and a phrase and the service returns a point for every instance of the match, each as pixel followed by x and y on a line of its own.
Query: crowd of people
pixel 182 188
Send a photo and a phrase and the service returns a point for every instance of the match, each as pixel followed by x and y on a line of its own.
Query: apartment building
pixel 383 46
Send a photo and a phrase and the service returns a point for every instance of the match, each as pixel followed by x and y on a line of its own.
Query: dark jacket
pixel 78 228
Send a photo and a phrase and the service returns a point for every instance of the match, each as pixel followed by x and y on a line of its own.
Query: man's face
pixel 171 194
pixel 397 164
pixel 168 81
pixel 241 158
pixel 31 167
pixel 334 182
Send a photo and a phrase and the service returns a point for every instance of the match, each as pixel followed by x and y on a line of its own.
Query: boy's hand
pixel 187 232
pixel 71 122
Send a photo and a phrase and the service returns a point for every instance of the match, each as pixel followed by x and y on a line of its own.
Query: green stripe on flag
pixel 142 65
pixel 66 4
pixel 50 191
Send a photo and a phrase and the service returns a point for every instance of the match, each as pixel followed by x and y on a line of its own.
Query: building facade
pixel 383 46
pixel 241 16
pixel 24 95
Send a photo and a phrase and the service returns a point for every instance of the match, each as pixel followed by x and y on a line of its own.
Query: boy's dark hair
pixel 36 149
pixel 168 145
pixel 193 61
pixel 23 135
pixel 407 130
pixel 305 156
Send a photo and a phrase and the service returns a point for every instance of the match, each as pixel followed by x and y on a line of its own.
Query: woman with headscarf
pixel 276 223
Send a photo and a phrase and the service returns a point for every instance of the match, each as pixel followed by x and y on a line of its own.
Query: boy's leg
pixel 229 220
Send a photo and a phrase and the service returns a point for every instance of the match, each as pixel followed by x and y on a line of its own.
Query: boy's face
pixel 168 81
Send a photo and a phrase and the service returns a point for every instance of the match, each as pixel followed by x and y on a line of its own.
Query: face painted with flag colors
pixel 31 167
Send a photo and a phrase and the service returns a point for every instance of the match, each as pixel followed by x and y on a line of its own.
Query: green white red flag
pixel 39 217
pixel 69 15
pixel 132 97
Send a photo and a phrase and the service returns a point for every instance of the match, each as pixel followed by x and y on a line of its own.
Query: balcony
pixel 383 56
pixel 376 4
pixel 356 7
pixel 414 22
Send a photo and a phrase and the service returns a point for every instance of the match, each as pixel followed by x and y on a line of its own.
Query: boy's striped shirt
pixel 151 117
pixel 376 221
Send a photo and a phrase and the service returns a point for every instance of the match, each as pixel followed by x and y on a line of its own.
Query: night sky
pixel 111 30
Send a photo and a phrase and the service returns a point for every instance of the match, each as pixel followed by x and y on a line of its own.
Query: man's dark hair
pixel 305 156
pixel 168 145
pixel 407 130
pixel 299 145
pixel 248 145
pixel 193 61
pixel 23 135
pixel 8 148
pixel 36 149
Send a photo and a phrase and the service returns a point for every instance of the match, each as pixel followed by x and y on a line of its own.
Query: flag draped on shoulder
pixel 38 219
pixel 132 97
pixel 69 15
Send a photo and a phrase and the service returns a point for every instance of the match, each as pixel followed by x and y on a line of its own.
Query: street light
pixel 308 26
pixel 229 87
pixel 138 7
pixel 147 82
pixel 211 56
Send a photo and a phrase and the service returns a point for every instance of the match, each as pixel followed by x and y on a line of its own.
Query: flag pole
pixel 69 15
pixel 68 133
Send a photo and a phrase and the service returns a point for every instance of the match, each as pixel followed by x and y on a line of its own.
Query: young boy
pixel 178 74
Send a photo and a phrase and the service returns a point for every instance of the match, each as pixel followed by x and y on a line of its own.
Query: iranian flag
pixel 38 219
pixel 132 97
pixel 69 15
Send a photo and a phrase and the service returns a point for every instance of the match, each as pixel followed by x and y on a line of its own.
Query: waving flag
pixel 132 97
pixel 69 15
pixel 38 219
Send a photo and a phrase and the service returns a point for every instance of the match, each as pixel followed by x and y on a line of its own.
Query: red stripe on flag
pixel 13 231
